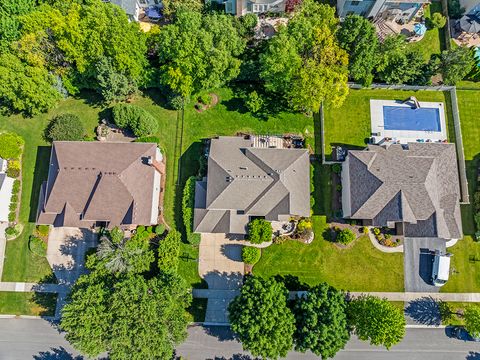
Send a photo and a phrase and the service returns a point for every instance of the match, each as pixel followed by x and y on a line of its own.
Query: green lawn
pixel 19 303
pixel 349 125
pixel 434 40
pixel 359 268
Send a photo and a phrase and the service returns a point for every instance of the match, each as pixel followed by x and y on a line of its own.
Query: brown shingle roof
pixel 99 181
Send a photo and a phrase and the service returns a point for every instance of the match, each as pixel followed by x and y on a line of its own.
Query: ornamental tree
pixel 455 64
pixel 376 320
pixel 259 231
pixel 321 321
pixel 358 37
pixel 304 63
pixel 261 319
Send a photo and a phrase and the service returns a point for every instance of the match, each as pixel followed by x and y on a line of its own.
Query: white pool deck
pixel 404 136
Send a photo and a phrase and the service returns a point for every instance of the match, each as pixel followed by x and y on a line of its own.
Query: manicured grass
pixel 349 125
pixel 359 268
pixel 465 267
pixel 434 40
pixel 19 303
pixel 458 308
pixel 467 84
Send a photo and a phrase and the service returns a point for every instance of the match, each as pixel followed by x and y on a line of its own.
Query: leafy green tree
pixel 321 321
pixel 251 255
pixel 358 37
pixel 455 10
pixel 455 64
pixel 149 317
pixel 10 10
pixel 11 145
pixel 304 63
pixel 199 52
pixel 112 85
pixel 438 20
pixel 65 127
pixel 396 63
pixel 376 320
pixel 25 88
pixel 171 7
pixel 169 251
pixel 254 102
pixel 261 319
pixel 259 231
pixel 121 255
pixel 472 320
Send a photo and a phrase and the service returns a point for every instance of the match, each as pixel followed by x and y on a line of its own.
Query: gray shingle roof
pixel 245 181
pixel 418 185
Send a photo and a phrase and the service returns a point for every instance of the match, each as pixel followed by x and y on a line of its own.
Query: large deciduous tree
pixel 321 321
pixel 199 52
pixel 304 63
pixel 376 320
pixel 455 64
pixel 472 320
pixel 10 10
pixel 357 36
pixel 125 314
pixel 261 319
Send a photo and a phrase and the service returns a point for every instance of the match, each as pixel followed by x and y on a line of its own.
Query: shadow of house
pixel 425 266
pixel 40 174
pixel 232 251
pixel 425 310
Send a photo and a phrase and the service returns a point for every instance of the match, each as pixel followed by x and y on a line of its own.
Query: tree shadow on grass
pixel 292 282
pixel 39 176
pixel 425 311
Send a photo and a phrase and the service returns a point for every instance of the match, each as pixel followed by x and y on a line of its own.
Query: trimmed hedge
pixel 259 231
pixel 169 251
pixel 13 169
pixel 37 246
pixel 188 203
pixel 251 255
pixel 133 117
pixel 65 127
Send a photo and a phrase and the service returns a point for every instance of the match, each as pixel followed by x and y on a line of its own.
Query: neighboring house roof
pixel 130 6
pixel 418 186
pixel 6 186
pixel 246 181
pixel 99 181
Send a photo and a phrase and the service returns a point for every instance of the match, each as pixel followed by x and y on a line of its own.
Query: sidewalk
pixel 33 287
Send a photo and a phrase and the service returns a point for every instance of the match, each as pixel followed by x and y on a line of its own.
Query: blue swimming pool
pixel 407 118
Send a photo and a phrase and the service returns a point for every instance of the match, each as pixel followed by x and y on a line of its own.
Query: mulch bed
pixel 202 107
pixel 341 226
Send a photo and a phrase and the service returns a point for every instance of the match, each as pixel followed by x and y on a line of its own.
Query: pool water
pixel 407 118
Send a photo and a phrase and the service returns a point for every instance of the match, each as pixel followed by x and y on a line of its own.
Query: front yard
pixel 21 303
pixel 359 268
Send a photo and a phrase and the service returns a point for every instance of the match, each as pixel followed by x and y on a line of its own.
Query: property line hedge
pixel 188 203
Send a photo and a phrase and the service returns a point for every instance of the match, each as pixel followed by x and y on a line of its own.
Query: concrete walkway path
pixel 33 287
pixel 3 244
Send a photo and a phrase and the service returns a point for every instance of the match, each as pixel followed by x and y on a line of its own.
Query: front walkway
pixel 220 265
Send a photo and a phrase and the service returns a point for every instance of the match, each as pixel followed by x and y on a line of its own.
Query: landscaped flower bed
pixel 386 238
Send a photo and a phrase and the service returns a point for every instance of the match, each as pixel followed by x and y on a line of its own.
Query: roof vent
pixel 149 160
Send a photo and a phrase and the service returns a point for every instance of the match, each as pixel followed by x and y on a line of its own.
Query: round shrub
pixel 133 117
pixel 13 169
pixel 10 146
pixel 345 236
pixel 159 229
pixel 205 99
pixel 65 127
pixel 43 230
pixel 11 231
pixel 37 246
pixel 145 125
pixel 259 231
pixel 16 187
pixel 178 102
pixel 251 255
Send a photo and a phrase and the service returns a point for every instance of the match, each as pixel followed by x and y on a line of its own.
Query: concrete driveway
pixel 418 263
pixel 66 252
pixel 220 264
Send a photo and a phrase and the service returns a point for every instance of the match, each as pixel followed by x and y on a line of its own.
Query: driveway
pixel 418 263
pixel 220 264
pixel 66 252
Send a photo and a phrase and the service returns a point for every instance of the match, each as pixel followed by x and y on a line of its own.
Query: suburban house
pixel 401 11
pixel 242 7
pixel 413 188
pixel 101 184
pixel 133 8
pixel 472 7
pixel 6 187
pixel 251 177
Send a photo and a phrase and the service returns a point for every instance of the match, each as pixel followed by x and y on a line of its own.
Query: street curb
pixel 214 324
pixel 421 326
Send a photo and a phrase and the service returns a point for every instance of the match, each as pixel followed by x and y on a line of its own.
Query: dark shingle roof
pixel 410 185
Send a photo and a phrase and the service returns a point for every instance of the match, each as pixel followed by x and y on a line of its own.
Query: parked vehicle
pixel 441 268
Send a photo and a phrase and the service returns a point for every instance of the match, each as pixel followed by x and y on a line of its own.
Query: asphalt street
pixel 36 339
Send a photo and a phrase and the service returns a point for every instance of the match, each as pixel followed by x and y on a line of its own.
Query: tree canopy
pixel 169 251
pixel 65 127
pixel 455 64
pixel 261 319
pixel 321 321
pixel 199 52
pixel 304 62
pixel 358 37
pixel 472 320
pixel 376 320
